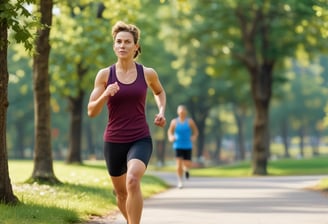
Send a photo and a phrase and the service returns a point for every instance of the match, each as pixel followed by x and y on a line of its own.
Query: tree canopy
pixel 217 57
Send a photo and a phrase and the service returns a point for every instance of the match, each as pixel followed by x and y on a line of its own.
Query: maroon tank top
pixel 126 109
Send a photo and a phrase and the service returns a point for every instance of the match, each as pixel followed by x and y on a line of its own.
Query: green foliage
pixel 213 29
pixel 20 21
pixel 303 99
pixel 79 46
pixel 253 35
pixel 82 42
pixel 192 45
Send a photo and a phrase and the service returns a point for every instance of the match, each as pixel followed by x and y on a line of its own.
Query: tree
pixel 43 162
pixel 308 101
pixel 194 76
pixel 261 26
pixel 9 13
pixel 6 193
pixel 299 108
pixel 250 32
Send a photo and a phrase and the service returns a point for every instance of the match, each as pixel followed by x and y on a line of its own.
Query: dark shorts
pixel 117 155
pixel 184 154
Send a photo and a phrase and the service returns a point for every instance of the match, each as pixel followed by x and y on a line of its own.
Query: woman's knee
pixel 136 170
pixel 133 183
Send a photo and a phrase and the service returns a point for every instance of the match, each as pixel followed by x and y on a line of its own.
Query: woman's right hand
pixel 171 138
pixel 112 89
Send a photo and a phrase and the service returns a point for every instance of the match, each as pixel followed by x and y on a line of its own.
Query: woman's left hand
pixel 160 120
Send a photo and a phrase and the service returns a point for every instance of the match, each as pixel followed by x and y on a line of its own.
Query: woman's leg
pixel 179 164
pixel 119 184
pixel 138 158
pixel 134 201
pixel 186 166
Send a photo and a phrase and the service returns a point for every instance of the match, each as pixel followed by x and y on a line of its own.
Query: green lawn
pixel 87 190
pixel 317 165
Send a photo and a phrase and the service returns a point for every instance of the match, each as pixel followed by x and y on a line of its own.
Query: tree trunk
pixel 200 143
pixel 301 145
pixel 315 143
pixel 74 149
pixel 199 115
pixel 160 152
pixel 43 162
pixel 284 135
pixel 261 91
pixel 218 148
pixel 89 141
pixel 259 62
pixel 6 193
pixel 201 137
pixel 216 158
pixel 76 111
pixel 240 117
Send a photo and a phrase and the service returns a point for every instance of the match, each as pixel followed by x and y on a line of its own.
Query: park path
pixel 247 200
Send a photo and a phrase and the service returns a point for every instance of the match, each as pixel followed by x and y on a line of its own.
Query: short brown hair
pixel 134 30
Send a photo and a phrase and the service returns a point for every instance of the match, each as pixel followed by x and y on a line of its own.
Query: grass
pixel 281 167
pixel 309 166
pixel 323 185
pixel 86 191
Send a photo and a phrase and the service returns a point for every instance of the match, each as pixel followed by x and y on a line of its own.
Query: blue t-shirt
pixel 182 134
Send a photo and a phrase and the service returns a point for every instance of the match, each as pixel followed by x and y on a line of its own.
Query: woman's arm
pixel 170 131
pixel 100 93
pixel 159 95
pixel 194 129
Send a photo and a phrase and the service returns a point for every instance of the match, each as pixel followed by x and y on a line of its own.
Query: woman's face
pixel 124 46
pixel 182 112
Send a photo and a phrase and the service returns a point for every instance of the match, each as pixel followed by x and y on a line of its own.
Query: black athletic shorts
pixel 117 155
pixel 185 154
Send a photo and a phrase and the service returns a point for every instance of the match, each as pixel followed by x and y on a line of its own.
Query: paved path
pixel 249 200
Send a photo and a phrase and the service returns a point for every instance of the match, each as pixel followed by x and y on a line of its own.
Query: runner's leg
pixel 179 164
pixel 119 184
pixel 134 202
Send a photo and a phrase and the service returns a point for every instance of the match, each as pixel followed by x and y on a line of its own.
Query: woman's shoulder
pixel 103 74
pixel 104 70
pixel 148 70
pixel 150 74
pixel 173 122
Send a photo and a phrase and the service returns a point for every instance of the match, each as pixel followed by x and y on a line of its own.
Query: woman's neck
pixel 182 118
pixel 125 65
